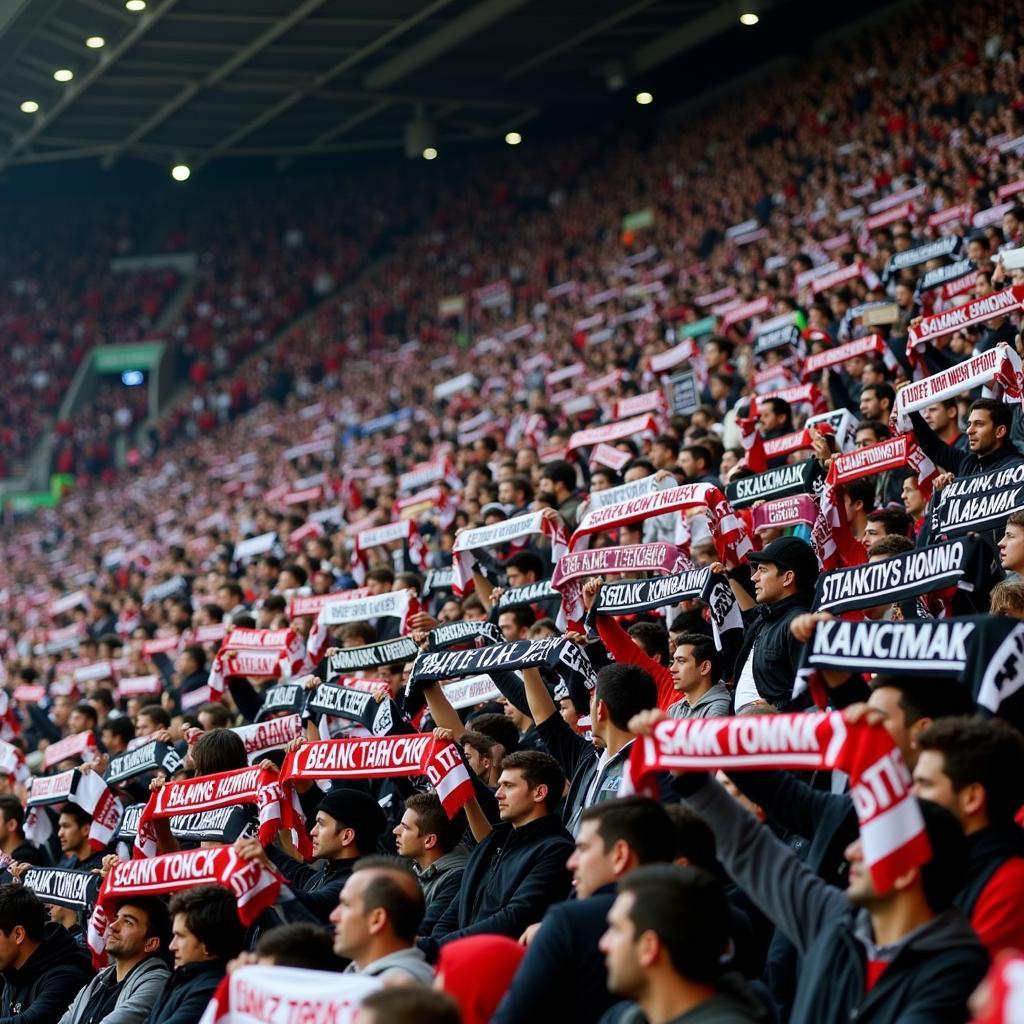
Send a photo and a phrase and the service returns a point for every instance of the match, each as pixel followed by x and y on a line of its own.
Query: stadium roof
pixel 197 80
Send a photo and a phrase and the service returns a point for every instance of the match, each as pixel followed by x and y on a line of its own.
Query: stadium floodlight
pixel 63 75
pixel 644 98
pixel 181 172
pixel 420 139
pixel 29 106
pixel 430 153
pixel 513 138
pixel 95 42
pixel 749 12
pixel 135 5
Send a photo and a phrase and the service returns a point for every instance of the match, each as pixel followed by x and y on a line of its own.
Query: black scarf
pixel 451 633
pixel 150 757
pixel 781 482
pixel 347 660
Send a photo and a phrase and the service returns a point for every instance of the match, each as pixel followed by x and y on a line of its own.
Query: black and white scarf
pixel 975 504
pixel 143 760
pixel 449 634
pixel 376 655
pixel 796 478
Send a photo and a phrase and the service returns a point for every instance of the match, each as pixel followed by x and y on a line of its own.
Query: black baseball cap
pixel 791 553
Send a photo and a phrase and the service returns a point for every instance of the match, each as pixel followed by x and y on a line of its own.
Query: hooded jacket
pixel 930 973
pixel 187 993
pixel 41 990
pixel 140 991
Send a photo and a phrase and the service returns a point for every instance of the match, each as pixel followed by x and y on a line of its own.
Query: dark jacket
pixel 961 463
pixel 43 989
pixel 776 651
pixel 563 970
pixel 29 853
pixel 317 885
pixel 440 884
pixel 929 977
pixel 187 994
pixel 511 878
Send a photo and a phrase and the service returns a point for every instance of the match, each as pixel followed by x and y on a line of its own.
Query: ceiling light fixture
pixel 63 75
pixel 135 5
pixel 181 172
pixel 95 42
pixel 644 98
pixel 29 106
pixel 430 153
pixel 513 138
pixel 749 12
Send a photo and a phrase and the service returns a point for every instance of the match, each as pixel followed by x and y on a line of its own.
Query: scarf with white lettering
pixel 727 529
pixel 612 458
pixel 65 887
pixel 624 492
pixel 636 405
pixel 467 693
pixel 208 792
pixel 256 652
pixel 541 592
pixel 153 756
pixel 404 530
pixel 873 345
pixel 644 426
pixel 254 887
pixel 353 701
pixel 450 634
pixel 282 698
pixel 572 569
pixel 469 541
pixel 385 757
pixel 80 745
pixel 900 577
pixel 800 394
pixel 632 597
pixel 780 482
pixel 432 499
pixel 139 686
pixel 977 504
pixel 891 826
pixel 394 604
pixel 288 995
pixel 366 656
pixel 87 791
pixel 985 653
pixel 796 510
pixel 261 738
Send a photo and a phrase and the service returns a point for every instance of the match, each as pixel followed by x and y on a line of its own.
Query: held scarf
pixel 891 827
pixel 844 275
pixel 87 791
pixel 225 825
pixel 516 529
pixel 153 756
pixel 361 707
pixel 801 394
pixel 76 890
pixel 631 597
pixel 376 655
pixel 984 652
pixel 944 275
pixel 288 995
pixel 899 578
pixel 645 426
pixel 947 245
pixel 780 482
pixel 386 757
pixel 256 652
pixel 12 763
pixel 977 311
pixel 797 510
pixel 254 887
pixel 975 504
pixel 530 593
pixel 727 528
pixel 404 530
pixel 225 789
pixel 746 311
pixel 841 423
pixel 872 345
pixel 571 569
pixel 261 738
pixel 998 370
pixel 310 604
pixel 635 405
pixel 613 458
pixel 432 499
pixel 450 634
pixel 281 697
pixel 139 686
pixel 624 492
pixel 438 581
pixel 467 693
pixel 81 745
pixel 395 604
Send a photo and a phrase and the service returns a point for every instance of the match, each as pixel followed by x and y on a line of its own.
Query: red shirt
pixel 620 645
pixel 998 916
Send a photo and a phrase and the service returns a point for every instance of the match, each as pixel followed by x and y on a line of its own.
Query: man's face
pixel 769 582
pixel 860 890
pixel 327 835
pixel 635 473
pixel 1011 548
pixel 887 700
pixel 62 707
pixel 477 761
pixel 79 722
pixel 145 726
pixel 690 466
pixel 714 357
pixel 939 417
pixel 864 438
pixel 506 492
pixel 873 530
pixel 510 629
pixel 567 709
pixel 517 578
pixel 625 973
pixel 684 668
pixel 10 947
pixel 71 835
pixel 187 949
pixel 546 486
pixel 590 863
pixel 932 783
pixel 409 842
pixel 769 418
pixel 515 798
pixel 126 934
pixel 981 432
pixel 225 598
pixel 378 586
pixel 913 501
pixel 351 928
pixel 870 406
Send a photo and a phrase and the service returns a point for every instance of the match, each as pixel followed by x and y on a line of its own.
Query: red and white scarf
pixel 80 744
pixel 432 499
pixel 745 311
pixel 256 652
pixel 271 734
pixel 801 394
pixel 393 604
pixel 653 402
pixel 255 888
pixel 644 426
pixel 288 995
pixel 139 686
pixel 891 826
pixel 404 530
pixel 871 345
pixel 509 531
pixel 88 791
pixel 613 458
pixel 385 757
pixel 226 789
pixel 844 275
pixel 998 369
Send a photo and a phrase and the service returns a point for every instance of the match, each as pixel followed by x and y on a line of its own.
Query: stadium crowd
pixel 608 604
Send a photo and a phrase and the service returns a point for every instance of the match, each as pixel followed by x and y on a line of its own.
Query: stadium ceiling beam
pixel 242 56
pixel 108 58
pixel 567 44
pixel 467 24
pixel 718 19
pixel 318 81
pixel 343 128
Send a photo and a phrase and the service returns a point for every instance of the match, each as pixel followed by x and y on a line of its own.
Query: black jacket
pixel 43 989
pixel 187 994
pixel 776 651
pixel 441 883
pixel 511 878
pixel 316 886
pixel 961 463
pixel 563 970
